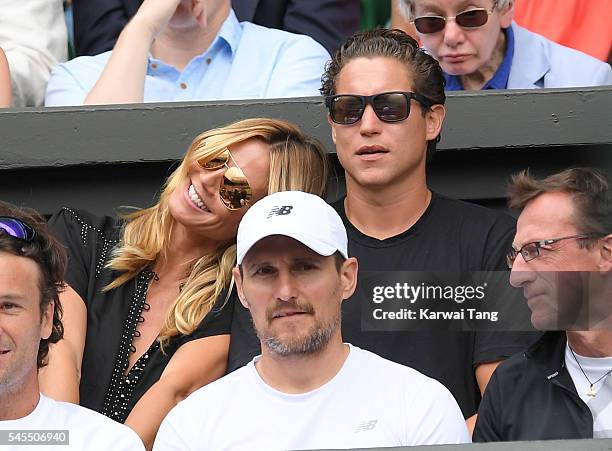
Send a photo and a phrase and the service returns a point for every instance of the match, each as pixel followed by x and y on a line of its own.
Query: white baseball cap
pixel 304 217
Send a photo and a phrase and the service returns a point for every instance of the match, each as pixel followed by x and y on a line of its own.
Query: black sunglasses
pixel 471 18
pixel 17 229
pixel 347 109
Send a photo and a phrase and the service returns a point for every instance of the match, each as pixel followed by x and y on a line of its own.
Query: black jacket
pixel 531 396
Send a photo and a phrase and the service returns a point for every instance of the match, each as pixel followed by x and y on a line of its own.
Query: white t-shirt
pixel 371 402
pixel 88 430
pixel 600 404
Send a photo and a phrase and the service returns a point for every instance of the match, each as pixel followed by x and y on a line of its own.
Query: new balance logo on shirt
pixel 367 425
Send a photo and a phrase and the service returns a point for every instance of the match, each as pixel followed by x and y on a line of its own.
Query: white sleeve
pixel 34 37
pixel 127 440
pixel 440 418
pixel 174 434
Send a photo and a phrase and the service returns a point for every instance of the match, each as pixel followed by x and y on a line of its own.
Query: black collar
pixel 548 353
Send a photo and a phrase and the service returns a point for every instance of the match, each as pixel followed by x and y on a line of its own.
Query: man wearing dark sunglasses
pixel 385 98
pixel 480 47
pixel 561 387
pixel 32 265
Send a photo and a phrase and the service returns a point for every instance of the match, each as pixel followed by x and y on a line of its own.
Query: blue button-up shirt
pixel 501 75
pixel 245 61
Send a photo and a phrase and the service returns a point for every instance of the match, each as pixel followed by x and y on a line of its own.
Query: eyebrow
pixel 253 265
pixel 426 5
pixel 313 259
pixel 460 7
pixel 11 297
pixel 536 242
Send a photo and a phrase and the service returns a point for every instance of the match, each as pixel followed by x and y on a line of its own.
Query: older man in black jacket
pixel 561 387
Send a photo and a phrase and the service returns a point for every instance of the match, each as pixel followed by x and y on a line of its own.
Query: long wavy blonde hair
pixel 297 162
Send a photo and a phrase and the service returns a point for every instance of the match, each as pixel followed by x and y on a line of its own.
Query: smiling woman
pixel 149 300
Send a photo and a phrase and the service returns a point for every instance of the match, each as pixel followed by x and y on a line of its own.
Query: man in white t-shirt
pixel 560 387
pixel 32 265
pixel 308 389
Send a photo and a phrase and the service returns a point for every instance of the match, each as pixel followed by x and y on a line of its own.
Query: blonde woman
pixel 148 307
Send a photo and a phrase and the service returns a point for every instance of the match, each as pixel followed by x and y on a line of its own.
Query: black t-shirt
pixel 113 316
pixel 451 236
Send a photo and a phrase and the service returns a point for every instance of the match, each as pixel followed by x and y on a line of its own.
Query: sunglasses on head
pixel 235 191
pixel 16 228
pixel 347 109
pixel 471 18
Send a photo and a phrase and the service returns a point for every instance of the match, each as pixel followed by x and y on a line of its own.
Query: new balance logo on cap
pixel 306 218
pixel 279 211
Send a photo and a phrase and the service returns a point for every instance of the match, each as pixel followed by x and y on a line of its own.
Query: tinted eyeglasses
pixel 17 229
pixel 531 251
pixel 347 109
pixel 472 18
pixel 235 191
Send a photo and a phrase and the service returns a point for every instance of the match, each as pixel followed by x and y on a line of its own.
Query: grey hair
pixel 406 7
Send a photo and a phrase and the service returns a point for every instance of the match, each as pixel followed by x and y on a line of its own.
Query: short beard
pixel 316 341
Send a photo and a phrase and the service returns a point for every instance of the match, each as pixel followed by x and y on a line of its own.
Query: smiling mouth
pixel 4 352
pixel 196 199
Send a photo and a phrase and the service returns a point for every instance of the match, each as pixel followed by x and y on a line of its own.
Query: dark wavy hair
pixel 426 72
pixel 51 259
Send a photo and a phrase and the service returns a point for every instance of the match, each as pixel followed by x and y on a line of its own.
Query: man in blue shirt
pixel 480 47
pixel 181 50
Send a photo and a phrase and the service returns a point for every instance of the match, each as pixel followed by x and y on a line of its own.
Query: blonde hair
pixel 297 162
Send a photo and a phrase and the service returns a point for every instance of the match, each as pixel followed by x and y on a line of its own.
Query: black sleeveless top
pixel 113 316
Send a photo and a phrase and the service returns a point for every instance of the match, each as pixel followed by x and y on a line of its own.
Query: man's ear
pixel 239 287
pixel 46 321
pixel 333 127
pixel 605 254
pixel 434 118
pixel 348 276
pixel 506 14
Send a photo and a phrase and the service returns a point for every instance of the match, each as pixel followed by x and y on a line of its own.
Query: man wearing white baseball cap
pixel 307 389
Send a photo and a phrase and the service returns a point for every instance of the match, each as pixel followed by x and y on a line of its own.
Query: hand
pixel 198 8
pixel 155 14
